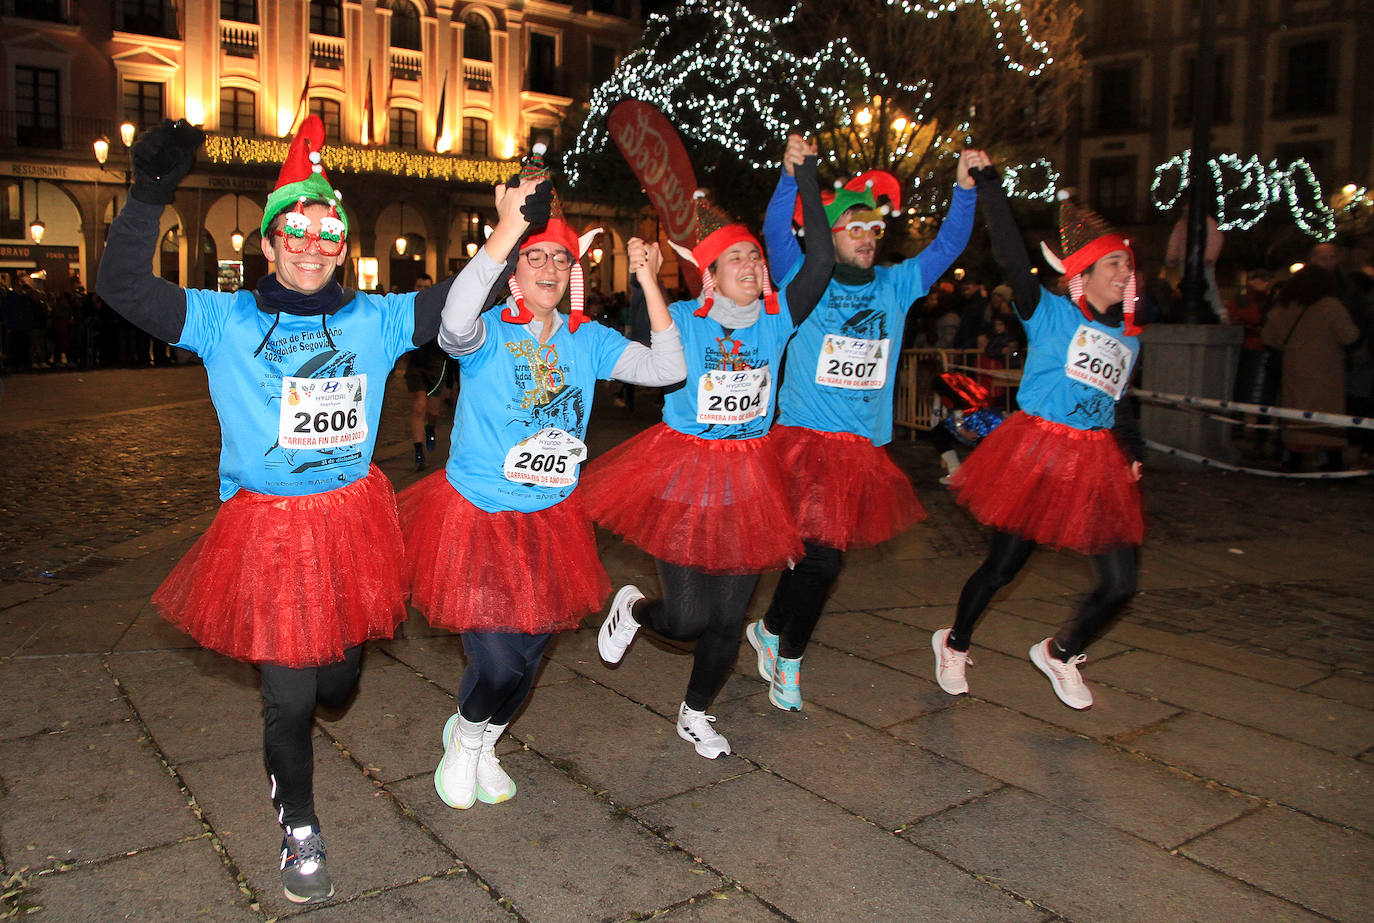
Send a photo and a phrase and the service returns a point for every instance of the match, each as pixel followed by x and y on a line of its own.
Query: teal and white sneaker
pixel 784 689
pixel 766 645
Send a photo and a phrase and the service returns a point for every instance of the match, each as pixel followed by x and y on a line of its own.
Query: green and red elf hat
pixel 714 233
pixel 302 181
pixel 1084 238
pixel 557 232
pixel 863 191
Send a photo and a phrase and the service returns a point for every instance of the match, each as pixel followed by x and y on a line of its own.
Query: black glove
pixel 162 158
pixel 535 209
pixel 982 175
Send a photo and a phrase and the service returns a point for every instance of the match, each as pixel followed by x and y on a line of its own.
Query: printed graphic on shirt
pixel 321 409
pixel 547 398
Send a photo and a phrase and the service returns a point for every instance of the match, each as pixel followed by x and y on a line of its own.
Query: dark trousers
pixel 705 608
pixel 289 697
pixel 800 598
pixel 1115 587
pixel 500 673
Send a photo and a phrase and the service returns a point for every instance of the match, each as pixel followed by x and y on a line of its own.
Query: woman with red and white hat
pixel 703 491
pixel 1063 470
pixel 498 545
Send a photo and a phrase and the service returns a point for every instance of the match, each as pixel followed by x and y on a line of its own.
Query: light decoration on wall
pixel 347 158
pixel 718 72
pixel 1245 190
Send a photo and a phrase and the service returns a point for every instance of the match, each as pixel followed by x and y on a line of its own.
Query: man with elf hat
pixel 835 405
pixel 498 545
pixel 1063 470
pixel 302 564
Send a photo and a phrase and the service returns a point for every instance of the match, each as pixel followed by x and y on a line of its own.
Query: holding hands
pixel 798 149
pixel 645 260
pixel 971 159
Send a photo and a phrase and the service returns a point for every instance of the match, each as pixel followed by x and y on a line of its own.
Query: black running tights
pixel 800 598
pixel 499 675
pixel 1115 587
pixel 708 609
pixel 289 697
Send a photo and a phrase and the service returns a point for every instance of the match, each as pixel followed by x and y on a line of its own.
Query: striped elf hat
pixel 714 233
pixel 1084 238
pixel 557 232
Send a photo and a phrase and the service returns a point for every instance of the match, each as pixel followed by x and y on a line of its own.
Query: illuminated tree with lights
pixel 892 84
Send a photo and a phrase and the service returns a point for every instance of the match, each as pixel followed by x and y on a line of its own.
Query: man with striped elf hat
pixel 1063 470
pixel 302 563
pixel 835 404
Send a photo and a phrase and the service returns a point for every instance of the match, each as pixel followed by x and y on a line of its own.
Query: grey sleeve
pixel 126 281
pixel 461 328
pixel 658 364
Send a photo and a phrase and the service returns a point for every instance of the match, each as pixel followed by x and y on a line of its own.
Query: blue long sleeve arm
pixel 953 237
pixel 783 250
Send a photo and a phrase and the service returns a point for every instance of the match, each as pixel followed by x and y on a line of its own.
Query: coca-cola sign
pixel 655 153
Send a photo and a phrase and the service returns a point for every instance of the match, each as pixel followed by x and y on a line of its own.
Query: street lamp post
pixel 38 227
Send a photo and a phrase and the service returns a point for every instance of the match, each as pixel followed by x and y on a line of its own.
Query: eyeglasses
pixel 562 261
pixel 861 229
pixel 300 241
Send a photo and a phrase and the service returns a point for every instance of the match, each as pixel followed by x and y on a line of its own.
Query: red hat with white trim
pixel 1084 238
pixel 715 232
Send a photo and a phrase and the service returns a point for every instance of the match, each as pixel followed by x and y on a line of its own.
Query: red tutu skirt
pixel 526 573
pixel 1053 484
pixel 845 491
pixel 715 505
pixel 294 581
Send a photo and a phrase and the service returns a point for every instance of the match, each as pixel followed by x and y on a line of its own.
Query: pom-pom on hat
pixel 864 191
pixel 715 232
pixel 557 231
pixel 302 179
pixel 1084 238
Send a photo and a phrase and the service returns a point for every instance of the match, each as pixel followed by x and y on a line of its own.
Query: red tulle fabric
pixel 716 505
pixel 470 570
pixel 1054 484
pixel 845 491
pixel 294 581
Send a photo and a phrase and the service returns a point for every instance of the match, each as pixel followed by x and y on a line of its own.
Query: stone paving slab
pixel 726 905
pixel 874 694
pixel 453 896
pixel 1194 648
pixel 28 706
pixel 151 632
pixel 863 634
pixel 558 853
pixel 1319 865
pixel 814 861
pixel 61 625
pixel 196 704
pixel 884 780
pixel 1312 719
pixel 1330 786
pixel 89 793
pixel 394 725
pixel 1092 872
pixel 1015 683
pixel 1351 688
pixel 872 586
pixel 569 725
pixel 1119 789
pixel 178 882
pixel 371 845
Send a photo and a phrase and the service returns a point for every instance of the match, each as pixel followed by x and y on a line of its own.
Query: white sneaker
pixel 695 728
pixel 455 778
pixel 493 785
pixel 619 628
pixel 950 665
pixel 765 644
pixel 1068 685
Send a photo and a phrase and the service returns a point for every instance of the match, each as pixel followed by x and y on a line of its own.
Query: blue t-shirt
pixel 1076 369
pixel 522 413
pixel 301 416
pixel 842 365
pixel 731 382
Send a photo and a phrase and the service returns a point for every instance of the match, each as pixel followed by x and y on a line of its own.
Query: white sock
pixel 951 460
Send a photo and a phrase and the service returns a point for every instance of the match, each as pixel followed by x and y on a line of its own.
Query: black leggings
pixel 499 675
pixel 289 697
pixel 800 598
pixel 1115 587
pixel 708 609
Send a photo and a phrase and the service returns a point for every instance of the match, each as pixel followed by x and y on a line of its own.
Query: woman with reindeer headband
pixel 1063 470
pixel 498 544
pixel 703 491
pixel 302 563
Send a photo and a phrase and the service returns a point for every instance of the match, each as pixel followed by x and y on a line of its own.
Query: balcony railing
pixel 327 52
pixel 67 133
pixel 478 75
pixel 406 65
pixel 239 39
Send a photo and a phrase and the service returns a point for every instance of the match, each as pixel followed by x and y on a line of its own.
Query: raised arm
pixel 461 328
pixel 1008 249
pixel 958 224
pixel 809 284
pixel 661 362
pixel 126 282
pixel 784 252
